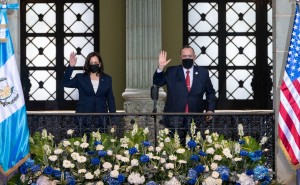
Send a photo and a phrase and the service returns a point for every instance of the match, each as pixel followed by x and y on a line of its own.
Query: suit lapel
pixel 181 77
pixel 89 84
pixel 101 83
pixel 196 78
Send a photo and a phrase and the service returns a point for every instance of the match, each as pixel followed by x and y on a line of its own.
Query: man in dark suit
pixel 186 85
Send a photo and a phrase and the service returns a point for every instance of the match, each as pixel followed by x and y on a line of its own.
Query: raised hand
pixel 162 61
pixel 73 59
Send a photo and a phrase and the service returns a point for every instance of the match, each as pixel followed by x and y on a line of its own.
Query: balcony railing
pixel 255 123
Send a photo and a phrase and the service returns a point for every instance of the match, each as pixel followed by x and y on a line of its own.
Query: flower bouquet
pixel 103 158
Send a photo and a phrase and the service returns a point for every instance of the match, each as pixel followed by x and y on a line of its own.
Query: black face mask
pixel 187 63
pixel 94 68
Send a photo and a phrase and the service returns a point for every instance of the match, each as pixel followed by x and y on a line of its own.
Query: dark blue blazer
pixel 89 101
pixel 177 92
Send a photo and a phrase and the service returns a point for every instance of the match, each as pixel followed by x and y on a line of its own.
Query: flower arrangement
pixel 103 158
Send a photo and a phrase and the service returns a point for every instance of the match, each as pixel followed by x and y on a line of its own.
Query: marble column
pixel 143 43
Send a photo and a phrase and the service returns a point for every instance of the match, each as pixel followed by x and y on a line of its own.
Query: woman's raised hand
pixel 73 59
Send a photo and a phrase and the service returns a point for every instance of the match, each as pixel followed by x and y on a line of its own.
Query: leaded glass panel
pixel 43 85
pixel 80 18
pixel 80 45
pixel 206 49
pixel 40 18
pixel 241 51
pixel 238 84
pixel 203 17
pixel 40 51
pixel 241 17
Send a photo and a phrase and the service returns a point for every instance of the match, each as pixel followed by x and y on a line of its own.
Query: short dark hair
pixel 87 62
pixel 187 46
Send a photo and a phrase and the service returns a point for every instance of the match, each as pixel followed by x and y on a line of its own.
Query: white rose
pixel 180 150
pixel 134 162
pixel 99 147
pixel 217 158
pixel 116 167
pixel 84 145
pixel 97 172
pixel 66 143
pixel 214 166
pixel 210 151
pixel 158 149
pixel 169 166
pixel 58 151
pixel 151 148
pixel 109 152
pixel 162 160
pixel 76 143
pixel 74 155
pixel 182 161
pixel 70 132
pixel 67 163
pixel 89 175
pixel 167 140
pixel 107 165
pixel 53 158
pixel 81 170
pixel 172 157
pixel 81 159
pixel 114 173
pixel 215 174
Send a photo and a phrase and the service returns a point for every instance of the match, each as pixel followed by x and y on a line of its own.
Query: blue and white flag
pixel 14 132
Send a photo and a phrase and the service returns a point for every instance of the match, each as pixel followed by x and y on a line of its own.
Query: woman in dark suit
pixel 94 86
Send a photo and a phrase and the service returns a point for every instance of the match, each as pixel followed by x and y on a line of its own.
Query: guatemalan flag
pixel 14 133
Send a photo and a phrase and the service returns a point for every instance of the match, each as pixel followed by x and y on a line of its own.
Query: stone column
pixel 143 43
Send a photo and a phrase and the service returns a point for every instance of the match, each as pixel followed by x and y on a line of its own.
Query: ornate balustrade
pixel 255 123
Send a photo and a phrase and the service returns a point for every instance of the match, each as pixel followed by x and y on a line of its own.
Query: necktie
pixel 188 85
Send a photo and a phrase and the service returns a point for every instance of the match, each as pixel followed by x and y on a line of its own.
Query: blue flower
pixel 192 144
pixel 192 173
pixel 48 170
pixel 224 172
pixel 199 168
pixel 146 143
pixel 111 181
pixel 255 156
pixel 70 179
pixel 35 168
pixel 201 153
pixel 91 152
pixel 243 153
pixel 102 153
pixel 151 183
pixel 144 159
pixel 132 151
pixel 192 181
pixel 249 172
pixel 260 172
pixel 95 161
pixel 241 141
pixel 195 158
pixel 29 162
pixel 23 169
pixel 97 143
pixel 57 174
pixel 121 178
